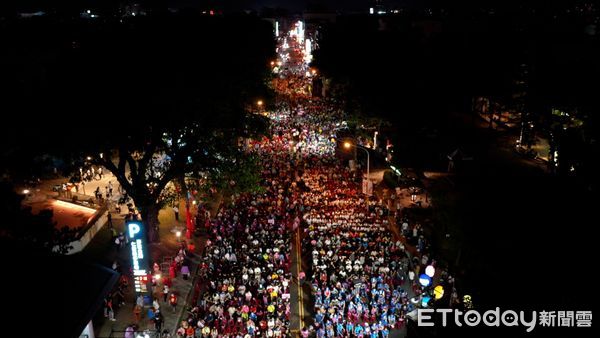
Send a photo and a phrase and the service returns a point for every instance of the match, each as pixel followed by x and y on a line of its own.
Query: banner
pixel 367 187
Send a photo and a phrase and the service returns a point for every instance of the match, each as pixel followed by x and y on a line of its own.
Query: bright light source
pixel 194 202
pixel 347 145
pixel 178 233
pixel 259 102
pixel 88 11
pixel 89 158
pixel 430 271
pixel 157 276
pixel 424 280
pixel 101 155
pixel 74 206
pixel 371 10
pixel 26 191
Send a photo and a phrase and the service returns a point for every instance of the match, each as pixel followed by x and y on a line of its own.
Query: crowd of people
pixel 246 263
pixel 358 272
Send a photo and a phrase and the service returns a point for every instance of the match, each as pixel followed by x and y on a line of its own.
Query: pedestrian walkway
pixel 103 250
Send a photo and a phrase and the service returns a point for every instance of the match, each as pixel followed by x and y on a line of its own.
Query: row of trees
pixel 155 100
pixel 418 71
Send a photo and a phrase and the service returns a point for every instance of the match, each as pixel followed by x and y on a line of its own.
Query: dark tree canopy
pixel 160 96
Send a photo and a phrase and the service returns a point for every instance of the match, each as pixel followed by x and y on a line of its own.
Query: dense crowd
pixel 357 272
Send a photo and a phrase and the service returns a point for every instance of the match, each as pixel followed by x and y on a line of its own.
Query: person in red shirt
pixel 190 332
pixel 173 301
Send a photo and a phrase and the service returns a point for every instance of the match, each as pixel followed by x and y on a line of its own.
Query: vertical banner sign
pixel 367 187
pixel 139 260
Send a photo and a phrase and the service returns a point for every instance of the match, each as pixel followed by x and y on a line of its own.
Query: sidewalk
pixel 104 251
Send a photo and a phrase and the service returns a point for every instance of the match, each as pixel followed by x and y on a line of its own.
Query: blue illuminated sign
pixel 139 262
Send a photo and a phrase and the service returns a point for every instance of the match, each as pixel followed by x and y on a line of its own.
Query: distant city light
pixel 371 10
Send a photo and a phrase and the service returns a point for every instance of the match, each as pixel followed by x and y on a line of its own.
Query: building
pixel 53 296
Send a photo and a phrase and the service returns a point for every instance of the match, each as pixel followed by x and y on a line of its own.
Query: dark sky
pixel 293 5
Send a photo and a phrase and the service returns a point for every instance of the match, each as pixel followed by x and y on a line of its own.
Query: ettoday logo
pixel 508 318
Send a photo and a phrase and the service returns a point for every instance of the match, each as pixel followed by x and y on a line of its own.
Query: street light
pixel 348 145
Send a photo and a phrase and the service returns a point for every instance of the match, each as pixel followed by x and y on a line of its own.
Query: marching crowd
pixel 357 271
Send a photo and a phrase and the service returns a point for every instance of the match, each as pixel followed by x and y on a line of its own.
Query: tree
pixel 162 97
pixel 145 163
